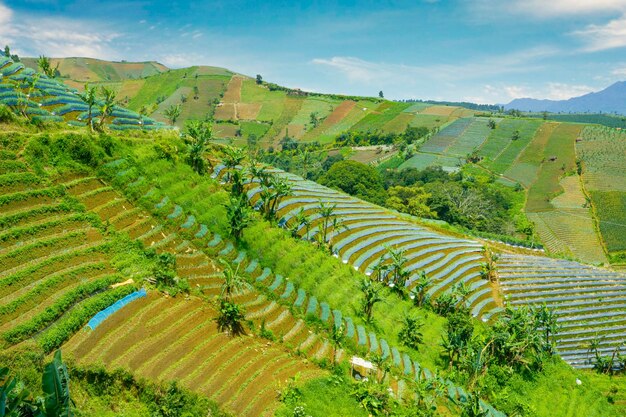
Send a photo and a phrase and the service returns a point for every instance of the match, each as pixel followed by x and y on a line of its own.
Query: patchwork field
pixel 602 152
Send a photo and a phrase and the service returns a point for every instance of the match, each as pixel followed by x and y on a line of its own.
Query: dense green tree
pixel 259 79
pixel 356 179
pixel 412 200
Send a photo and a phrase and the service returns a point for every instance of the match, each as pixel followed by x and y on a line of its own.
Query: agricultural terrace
pixel 114 241
pixel 556 203
pixel 38 97
pixel 450 146
pixel 176 212
pixel 588 301
pixel 602 152
pixel 368 230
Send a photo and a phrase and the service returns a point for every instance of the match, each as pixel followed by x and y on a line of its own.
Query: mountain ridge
pixel 609 100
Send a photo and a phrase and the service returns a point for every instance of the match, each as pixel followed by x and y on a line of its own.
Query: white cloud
pixel 619 72
pixel 600 37
pixel 359 70
pixel 542 9
pixel 56 37
pixel 507 92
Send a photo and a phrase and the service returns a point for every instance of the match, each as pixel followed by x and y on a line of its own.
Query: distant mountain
pixel 610 100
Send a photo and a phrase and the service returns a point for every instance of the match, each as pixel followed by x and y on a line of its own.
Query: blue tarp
pixel 104 314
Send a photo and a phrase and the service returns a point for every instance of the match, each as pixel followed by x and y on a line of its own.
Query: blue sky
pixel 488 51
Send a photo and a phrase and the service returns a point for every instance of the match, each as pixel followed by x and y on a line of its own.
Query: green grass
pixel 560 145
pixel 272 101
pixel 320 105
pixel 499 150
pixel 164 84
pixel 423 160
pixel 360 110
pixel 555 393
pixel 383 114
pixel 253 128
pixel 324 397
pixel 428 120
pixel 610 206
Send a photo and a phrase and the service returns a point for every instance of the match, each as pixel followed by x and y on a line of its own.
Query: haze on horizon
pixel 487 51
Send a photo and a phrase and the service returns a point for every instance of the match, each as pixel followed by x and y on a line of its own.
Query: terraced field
pixel 46 99
pixel 603 154
pixel 56 264
pixel 556 203
pixel 370 229
pixel 501 148
pixel 275 314
pixel 589 301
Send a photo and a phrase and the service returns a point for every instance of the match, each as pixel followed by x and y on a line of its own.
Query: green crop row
pixel 52 192
pixel 20 233
pixel 55 311
pixel 63 329
pixel 33 296
pixel 14 178
pixel 67 205
pixel 30 274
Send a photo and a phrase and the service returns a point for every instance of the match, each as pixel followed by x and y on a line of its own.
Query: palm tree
pixel 46 67
pixel 197 136
pixel 547 320
pixel 337 336
pixel 418 294
pixel 108 102
pixel 273 194
pixel 234 284
pixel 239 216
pixel 233 156
pixel 336 226
pixel 90 99
pixel 327 213
pixel 379 268
pixel 382 364
pixel 173 113
pixel 411 332
pixel 300 219
pixel 398 274
pixel 371 296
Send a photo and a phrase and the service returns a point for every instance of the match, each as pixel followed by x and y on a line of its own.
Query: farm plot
pixel 55 270
pixel 367 231
pixel 556 203
pixel 505 143
pixel 610 208
pixel 424 160
pixel 470 139
pixel 209 362
pixel 525 168
pixel 384 113
pixel 602 151
pixel 272 102
pixel 446 136
pixel 346 115
pixel 589 302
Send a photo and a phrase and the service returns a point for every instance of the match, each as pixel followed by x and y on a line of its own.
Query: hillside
pixel 74 231
pixel 610 100
pixel 40 98
pixel 244 109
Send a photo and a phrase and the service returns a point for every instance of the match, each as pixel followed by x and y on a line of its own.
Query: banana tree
pixel 90 99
